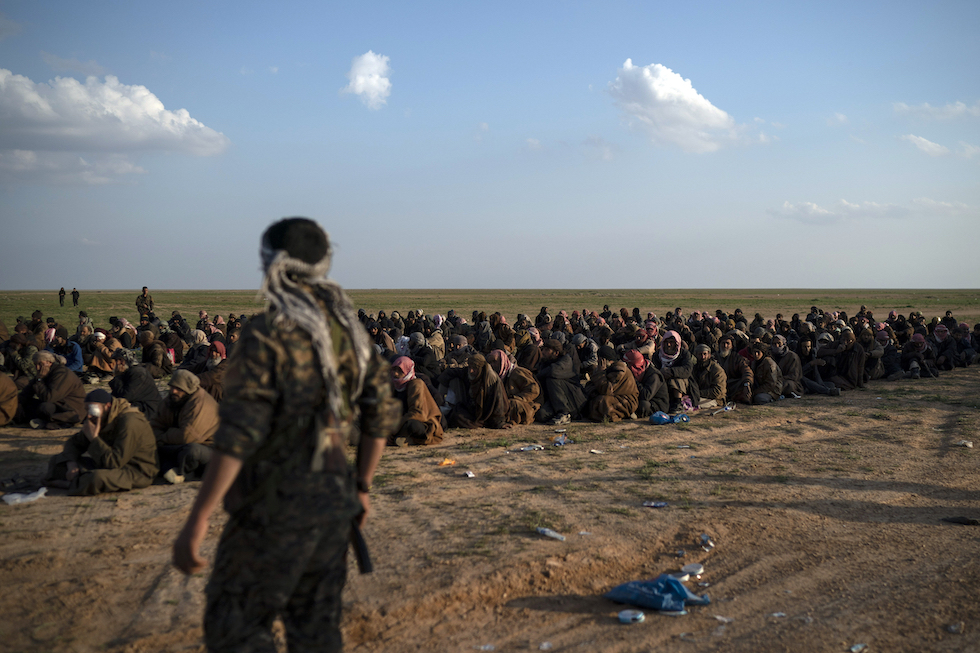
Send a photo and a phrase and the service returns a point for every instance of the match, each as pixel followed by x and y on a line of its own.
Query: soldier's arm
pixel 220 474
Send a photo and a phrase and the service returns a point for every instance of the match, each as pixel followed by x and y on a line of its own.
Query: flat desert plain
pixel 826 514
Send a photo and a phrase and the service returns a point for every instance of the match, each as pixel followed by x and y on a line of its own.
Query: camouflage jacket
pixel 274 394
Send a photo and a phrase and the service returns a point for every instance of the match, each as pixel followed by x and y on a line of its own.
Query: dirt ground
pixel 826 514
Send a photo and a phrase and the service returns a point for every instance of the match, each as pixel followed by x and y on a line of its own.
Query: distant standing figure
pixel 144 302
pixel 74 296
pixel 61 296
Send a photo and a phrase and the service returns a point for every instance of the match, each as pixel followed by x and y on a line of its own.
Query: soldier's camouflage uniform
pixel 283 551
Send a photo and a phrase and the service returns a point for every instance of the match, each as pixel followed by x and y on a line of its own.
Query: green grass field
pixel 100 305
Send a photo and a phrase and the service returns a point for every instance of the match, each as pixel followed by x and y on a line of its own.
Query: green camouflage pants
pixel 289 563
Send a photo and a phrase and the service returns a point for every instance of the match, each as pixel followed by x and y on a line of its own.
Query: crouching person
pixel 421 421
pixel 612 392
pixel 184 428
pixel 115 451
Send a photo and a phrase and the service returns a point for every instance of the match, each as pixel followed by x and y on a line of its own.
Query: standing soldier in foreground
pixel 304 379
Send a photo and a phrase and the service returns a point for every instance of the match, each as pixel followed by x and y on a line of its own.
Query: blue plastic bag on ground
pixel 659 418
pixel 662 593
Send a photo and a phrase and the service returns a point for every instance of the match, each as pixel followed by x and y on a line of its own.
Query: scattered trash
pixel 655 504
pixel 584 533
pixel 673 613
pixel 545 646
pixel 469 474
pixel 719 631
pixel 956 629
pixel 561 440
pixel 776 614
pixel 966 521
pixel 561 430
pixel 595 451
pixel 807 619
pixel 15 498
pixel 683 446
pixel 857 648
pixel 486 647
pixel 681 553
pixel 704 584
pixel 706 542
pixel 660 418
pixel 693 569
pixel 631 617
pixel 681 576
pixel 965 443
pixel 661 593
pixel 547 532
pixel 680 419
pixel 724 620
pixel 447 462
pixel 728 407
pixel 530 447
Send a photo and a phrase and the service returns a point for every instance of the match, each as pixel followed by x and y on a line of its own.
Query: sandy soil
pixel 826 510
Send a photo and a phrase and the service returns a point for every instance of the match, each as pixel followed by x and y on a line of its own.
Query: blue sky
pixel 499 145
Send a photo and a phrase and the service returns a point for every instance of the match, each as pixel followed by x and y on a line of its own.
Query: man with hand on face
pixel 184 427
pixel 118 441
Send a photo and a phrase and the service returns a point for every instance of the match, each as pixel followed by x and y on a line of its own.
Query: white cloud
pixel 369 79
pixel 955 110
pixel 61 65
pixel 598 148
pixel 927 146
pixel 484 127
pixel 65 128
pixel 274 70
pixel 837 119
pixel 842 210
pixel 670 110
pixel 8 27
pixel 67 116
pixel 778 125
pixel 533 144
pixel 65 167
pixel 759 120
pixel 858 140
pixel 969 151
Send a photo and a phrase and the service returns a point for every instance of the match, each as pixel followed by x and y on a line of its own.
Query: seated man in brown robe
pixel 710 378
pixel 737 371
pixel 213 377
pixel 611 394
pixel 484 402
pixel 421 422
pixel 8 399
pixel 768 384
pixel 156 359
pixel 114 451
pixel 523 391
pixel 184 428
pixel 789 366
pixel 55 399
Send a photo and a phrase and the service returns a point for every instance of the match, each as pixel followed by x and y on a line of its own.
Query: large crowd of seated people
pixel 450 372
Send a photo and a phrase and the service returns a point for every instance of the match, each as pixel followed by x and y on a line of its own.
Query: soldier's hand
pixel 366 504
pixel 72 470
pixel 187 546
